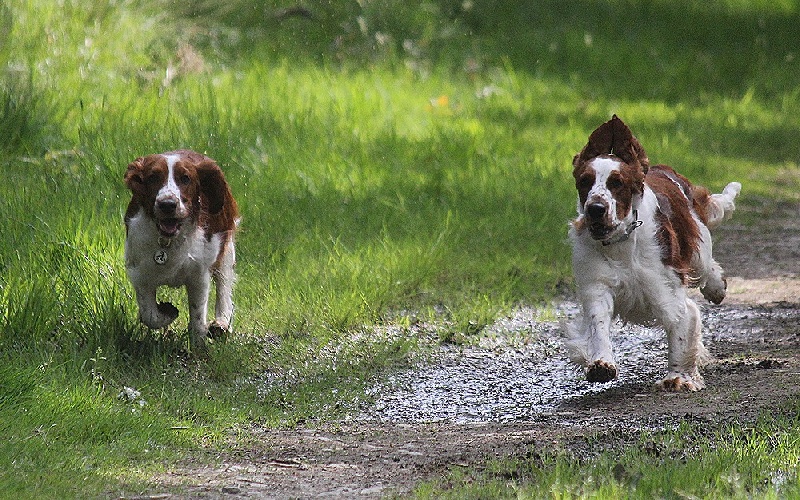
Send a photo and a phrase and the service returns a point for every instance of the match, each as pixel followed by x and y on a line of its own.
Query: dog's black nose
pixel 596 210
pixel 167 206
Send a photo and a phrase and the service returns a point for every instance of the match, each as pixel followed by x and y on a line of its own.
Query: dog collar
pixel 628 230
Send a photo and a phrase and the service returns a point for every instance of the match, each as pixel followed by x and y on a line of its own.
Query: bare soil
pixel 514 393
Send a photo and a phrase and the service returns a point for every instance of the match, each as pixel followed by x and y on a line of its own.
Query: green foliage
pixel 389 158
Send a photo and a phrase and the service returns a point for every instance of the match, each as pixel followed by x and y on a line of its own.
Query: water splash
pixel 518 371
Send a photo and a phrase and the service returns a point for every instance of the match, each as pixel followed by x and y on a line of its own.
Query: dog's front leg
pixel 224 278
pixel 686 351
pixel 198 309
pixel 591 345
pixel 153 314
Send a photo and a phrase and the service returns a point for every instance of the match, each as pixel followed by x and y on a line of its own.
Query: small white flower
pixel 128 394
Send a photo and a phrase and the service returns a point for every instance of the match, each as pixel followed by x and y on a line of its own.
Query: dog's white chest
pixel 166 262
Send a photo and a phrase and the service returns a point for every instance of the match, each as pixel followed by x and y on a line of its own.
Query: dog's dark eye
pixel 586 182
pixel 614 183
pixel 184 180
pixel 151 179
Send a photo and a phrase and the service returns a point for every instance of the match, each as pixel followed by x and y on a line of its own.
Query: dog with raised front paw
pixel 180 226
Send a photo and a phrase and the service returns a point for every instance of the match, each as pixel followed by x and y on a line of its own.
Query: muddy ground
pixel 514 392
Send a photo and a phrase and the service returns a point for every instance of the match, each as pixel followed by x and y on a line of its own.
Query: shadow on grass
pixel 646 50
pixel 624 49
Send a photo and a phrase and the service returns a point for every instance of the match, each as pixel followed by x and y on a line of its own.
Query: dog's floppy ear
pixel 613 137
pixel 600 143
pixel 626 146
pixel 213 186
pixel 133 176
pixel 216 194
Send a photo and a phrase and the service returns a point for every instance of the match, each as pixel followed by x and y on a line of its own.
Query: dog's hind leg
pixel 707 272
pixel 686 351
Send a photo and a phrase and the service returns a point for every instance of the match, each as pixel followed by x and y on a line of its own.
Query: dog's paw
pixel 601 371
pixel 200 346
pixel 715 292
pixel 200 339
pixel 714 296
pixel 218 329
pixel 680 382
pixel 166 313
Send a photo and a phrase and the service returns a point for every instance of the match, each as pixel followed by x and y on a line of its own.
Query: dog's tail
pixel 720 206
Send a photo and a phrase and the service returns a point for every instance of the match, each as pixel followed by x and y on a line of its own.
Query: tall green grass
pixel 391 159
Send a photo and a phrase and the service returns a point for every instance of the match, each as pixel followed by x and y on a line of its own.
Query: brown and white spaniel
pixel 640 240
pixel 180 226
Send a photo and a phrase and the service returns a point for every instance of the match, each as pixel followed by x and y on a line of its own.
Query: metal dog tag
pixel 160 257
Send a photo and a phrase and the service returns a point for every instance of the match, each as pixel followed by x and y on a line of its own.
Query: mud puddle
pixel 520 371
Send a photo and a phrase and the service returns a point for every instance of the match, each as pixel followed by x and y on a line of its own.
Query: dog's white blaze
pixel 603 167
pixel 170 189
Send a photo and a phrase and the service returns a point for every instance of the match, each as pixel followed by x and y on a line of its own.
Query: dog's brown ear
pixel 626 146
pixel 613 137
pixel 217 196
pixel 133 176
pixel 600 143
pixel 212 185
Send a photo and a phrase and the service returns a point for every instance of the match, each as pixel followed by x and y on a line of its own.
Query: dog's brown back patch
pixel 678 232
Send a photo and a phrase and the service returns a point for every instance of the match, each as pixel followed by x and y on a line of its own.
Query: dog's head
pixel 174 188
pixel 609 176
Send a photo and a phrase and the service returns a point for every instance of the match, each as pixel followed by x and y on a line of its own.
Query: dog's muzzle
pixel 169 217
pixel 598 221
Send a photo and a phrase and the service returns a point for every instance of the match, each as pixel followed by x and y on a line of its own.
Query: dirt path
pixel 514 392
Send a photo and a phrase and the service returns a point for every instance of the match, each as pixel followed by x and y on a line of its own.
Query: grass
pixel 686 460
pixel 390 158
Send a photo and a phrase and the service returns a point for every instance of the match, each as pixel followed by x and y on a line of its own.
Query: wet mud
pixel 520 371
